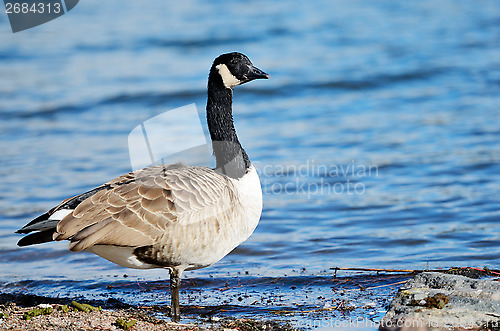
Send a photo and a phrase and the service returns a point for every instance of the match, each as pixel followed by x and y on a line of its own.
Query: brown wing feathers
pixel 132 214
pixel 137 208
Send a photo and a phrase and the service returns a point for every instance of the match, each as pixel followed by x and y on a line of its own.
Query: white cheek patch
pixel 227 77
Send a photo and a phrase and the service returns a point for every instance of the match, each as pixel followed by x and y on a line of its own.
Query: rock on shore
pixel 438 301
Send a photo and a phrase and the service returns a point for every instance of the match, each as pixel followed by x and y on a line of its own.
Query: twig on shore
pixel 378 286
pixel 485 270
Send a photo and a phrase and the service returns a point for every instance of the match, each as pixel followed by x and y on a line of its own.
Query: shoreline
pixel 111 315
pixel 349 298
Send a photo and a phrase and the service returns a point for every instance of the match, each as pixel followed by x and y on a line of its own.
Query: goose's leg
pixel 175 284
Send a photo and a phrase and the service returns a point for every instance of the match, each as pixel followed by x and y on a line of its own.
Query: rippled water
pixel 377 137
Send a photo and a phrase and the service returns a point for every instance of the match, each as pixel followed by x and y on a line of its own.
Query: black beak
pixel 255 73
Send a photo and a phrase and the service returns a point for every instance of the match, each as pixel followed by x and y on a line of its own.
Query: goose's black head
pixel 236 69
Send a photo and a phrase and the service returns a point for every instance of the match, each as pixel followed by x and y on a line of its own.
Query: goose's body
pixel 169 216
pixel 162 216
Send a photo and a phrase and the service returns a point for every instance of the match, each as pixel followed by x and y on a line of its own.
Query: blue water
pixel 377 137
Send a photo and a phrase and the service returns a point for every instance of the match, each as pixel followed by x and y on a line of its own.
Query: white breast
pixel 250 193
pixel 201 244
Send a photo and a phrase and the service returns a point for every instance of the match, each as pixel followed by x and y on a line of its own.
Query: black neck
pixel 231 159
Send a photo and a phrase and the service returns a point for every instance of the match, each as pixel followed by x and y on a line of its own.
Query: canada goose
pixel 170 216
